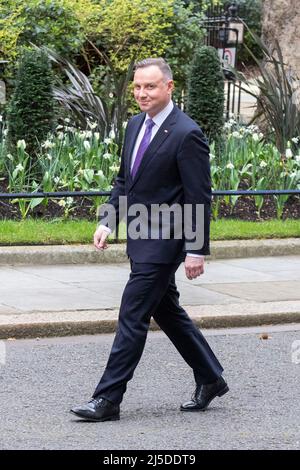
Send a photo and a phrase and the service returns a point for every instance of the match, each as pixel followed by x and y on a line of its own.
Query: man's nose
pixel 143 93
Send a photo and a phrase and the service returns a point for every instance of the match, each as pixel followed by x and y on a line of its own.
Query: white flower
pixel 59 127
pixel 260 135
pixel 97 135
pixel 62 203
pixel 295 140
pixel 85 134
pixel 252 129
pixel 49 156
pixel 230 166
pixel 9 155
pixel 87 145
pixel 5 132
pixel 263 164
pixel 297 158
pixel 288 153
pixel 21 144
pixel 227 125
pixel 112 134
pixel 212 156
pixel 107 141
pixel 111 95
pixel 60 136
pixel 56 180
pixel 70 156
pixel 124 124
pixel 255 137
pixel 294 174
pixel 1 118
pixel 114 168
pixel 48 145
pixel 236 134
pixel 107 155
pixel 92 125
pixel 100 173
pixel 67 120
pixel 19 167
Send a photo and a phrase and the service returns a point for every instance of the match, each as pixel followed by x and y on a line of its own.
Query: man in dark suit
pixel 165 161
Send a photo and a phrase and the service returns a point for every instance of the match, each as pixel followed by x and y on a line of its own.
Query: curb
pixel 87 254
pixel 39 330
pixel 72 323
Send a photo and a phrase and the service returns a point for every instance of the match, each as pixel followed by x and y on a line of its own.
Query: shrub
pixel 205 100
pixel 31 110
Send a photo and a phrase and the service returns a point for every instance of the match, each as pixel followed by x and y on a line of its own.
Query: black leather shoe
pixel 98 409
pixel 204 394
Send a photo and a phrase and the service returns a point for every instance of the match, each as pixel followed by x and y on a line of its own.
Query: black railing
pixel 217 30
pixel 54 195
pixel 220 192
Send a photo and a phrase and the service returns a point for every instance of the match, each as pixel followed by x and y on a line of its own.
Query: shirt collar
pixel 159 118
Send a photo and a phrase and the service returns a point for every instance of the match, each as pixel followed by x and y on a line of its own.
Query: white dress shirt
pixel 158 120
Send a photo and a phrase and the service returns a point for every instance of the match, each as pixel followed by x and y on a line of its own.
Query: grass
pixel 61 232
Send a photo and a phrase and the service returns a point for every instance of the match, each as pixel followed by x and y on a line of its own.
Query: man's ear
pixel 170 86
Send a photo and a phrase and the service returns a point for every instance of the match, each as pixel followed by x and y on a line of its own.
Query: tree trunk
pixel 281 20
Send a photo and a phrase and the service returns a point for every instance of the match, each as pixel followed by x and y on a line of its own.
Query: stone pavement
pixel 68 299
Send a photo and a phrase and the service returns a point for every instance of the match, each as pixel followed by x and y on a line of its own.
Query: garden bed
pixel 83 208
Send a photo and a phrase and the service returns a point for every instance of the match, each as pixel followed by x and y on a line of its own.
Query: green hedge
pixel 31 110
pixel 205 101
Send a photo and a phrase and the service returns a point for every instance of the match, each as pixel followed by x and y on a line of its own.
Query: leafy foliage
pixel 9 30
pixel 125 30
pixel 80 99
pixel 185 35
pixel 53 23
pixel 130 29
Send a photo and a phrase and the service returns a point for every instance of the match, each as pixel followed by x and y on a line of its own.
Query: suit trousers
pixel 151 291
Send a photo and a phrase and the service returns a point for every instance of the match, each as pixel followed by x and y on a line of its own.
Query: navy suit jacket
pixel 174 170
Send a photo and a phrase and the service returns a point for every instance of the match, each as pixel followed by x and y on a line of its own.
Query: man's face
pixel 152 91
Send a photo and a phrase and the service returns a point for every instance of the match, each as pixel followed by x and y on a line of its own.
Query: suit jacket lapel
pixel 162 134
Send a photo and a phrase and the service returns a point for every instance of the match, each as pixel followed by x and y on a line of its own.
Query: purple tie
pixel 142 147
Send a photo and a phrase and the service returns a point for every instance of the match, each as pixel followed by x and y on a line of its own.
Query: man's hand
pixel 193 266
pixel 100 238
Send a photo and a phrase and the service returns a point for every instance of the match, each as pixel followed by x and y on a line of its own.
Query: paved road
pixel 42 379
